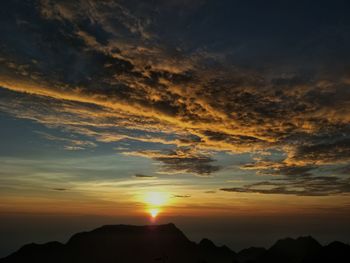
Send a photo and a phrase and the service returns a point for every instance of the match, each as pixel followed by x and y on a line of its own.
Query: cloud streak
pixel 301 186
pixel 144 176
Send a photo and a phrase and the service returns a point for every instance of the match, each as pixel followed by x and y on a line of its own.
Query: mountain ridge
pixel 167 243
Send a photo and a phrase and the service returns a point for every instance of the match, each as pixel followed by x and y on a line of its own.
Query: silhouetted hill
pixel 166 243
pixel 122 243
pixel 211 253
pixel 334 252
pixel 252 254
pixel 292 250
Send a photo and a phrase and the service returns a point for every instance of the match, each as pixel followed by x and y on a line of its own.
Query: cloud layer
pixel 109 72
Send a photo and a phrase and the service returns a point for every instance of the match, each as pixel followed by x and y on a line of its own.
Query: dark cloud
pixel 302 186
pixel 324 152
pixel 181 196
pixel 144 176
pixel 197 165
pixel 295 179
pixel 344 170
pixel 280 168
pixel 59 189
pixel 210 192
pixel 181 160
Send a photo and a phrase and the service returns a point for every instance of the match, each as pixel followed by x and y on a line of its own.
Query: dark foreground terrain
pixel 166 243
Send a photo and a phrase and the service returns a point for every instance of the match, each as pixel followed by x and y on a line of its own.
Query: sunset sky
pixel 229 118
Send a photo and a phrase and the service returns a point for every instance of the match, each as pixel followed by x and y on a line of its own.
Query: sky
pixel 229 118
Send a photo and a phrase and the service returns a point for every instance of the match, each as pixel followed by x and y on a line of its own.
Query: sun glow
pixel 156 198
pixel 155 202
pixel 154 212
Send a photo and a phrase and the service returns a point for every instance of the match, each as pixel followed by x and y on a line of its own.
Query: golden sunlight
pixel 155 201
pixel 156 198
pixel 154 212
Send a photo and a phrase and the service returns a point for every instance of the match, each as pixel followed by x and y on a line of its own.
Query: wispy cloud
pixel 69 143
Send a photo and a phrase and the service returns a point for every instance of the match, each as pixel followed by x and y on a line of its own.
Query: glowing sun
pixel 155 201
pixel 154 212
pixel 156 198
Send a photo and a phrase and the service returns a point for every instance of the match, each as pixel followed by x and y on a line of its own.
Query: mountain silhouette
pixel 166 243
pixel 300 250
pixel 252 254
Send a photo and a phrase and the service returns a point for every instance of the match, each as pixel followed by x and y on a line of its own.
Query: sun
pixel 154 212
pixel 155 202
